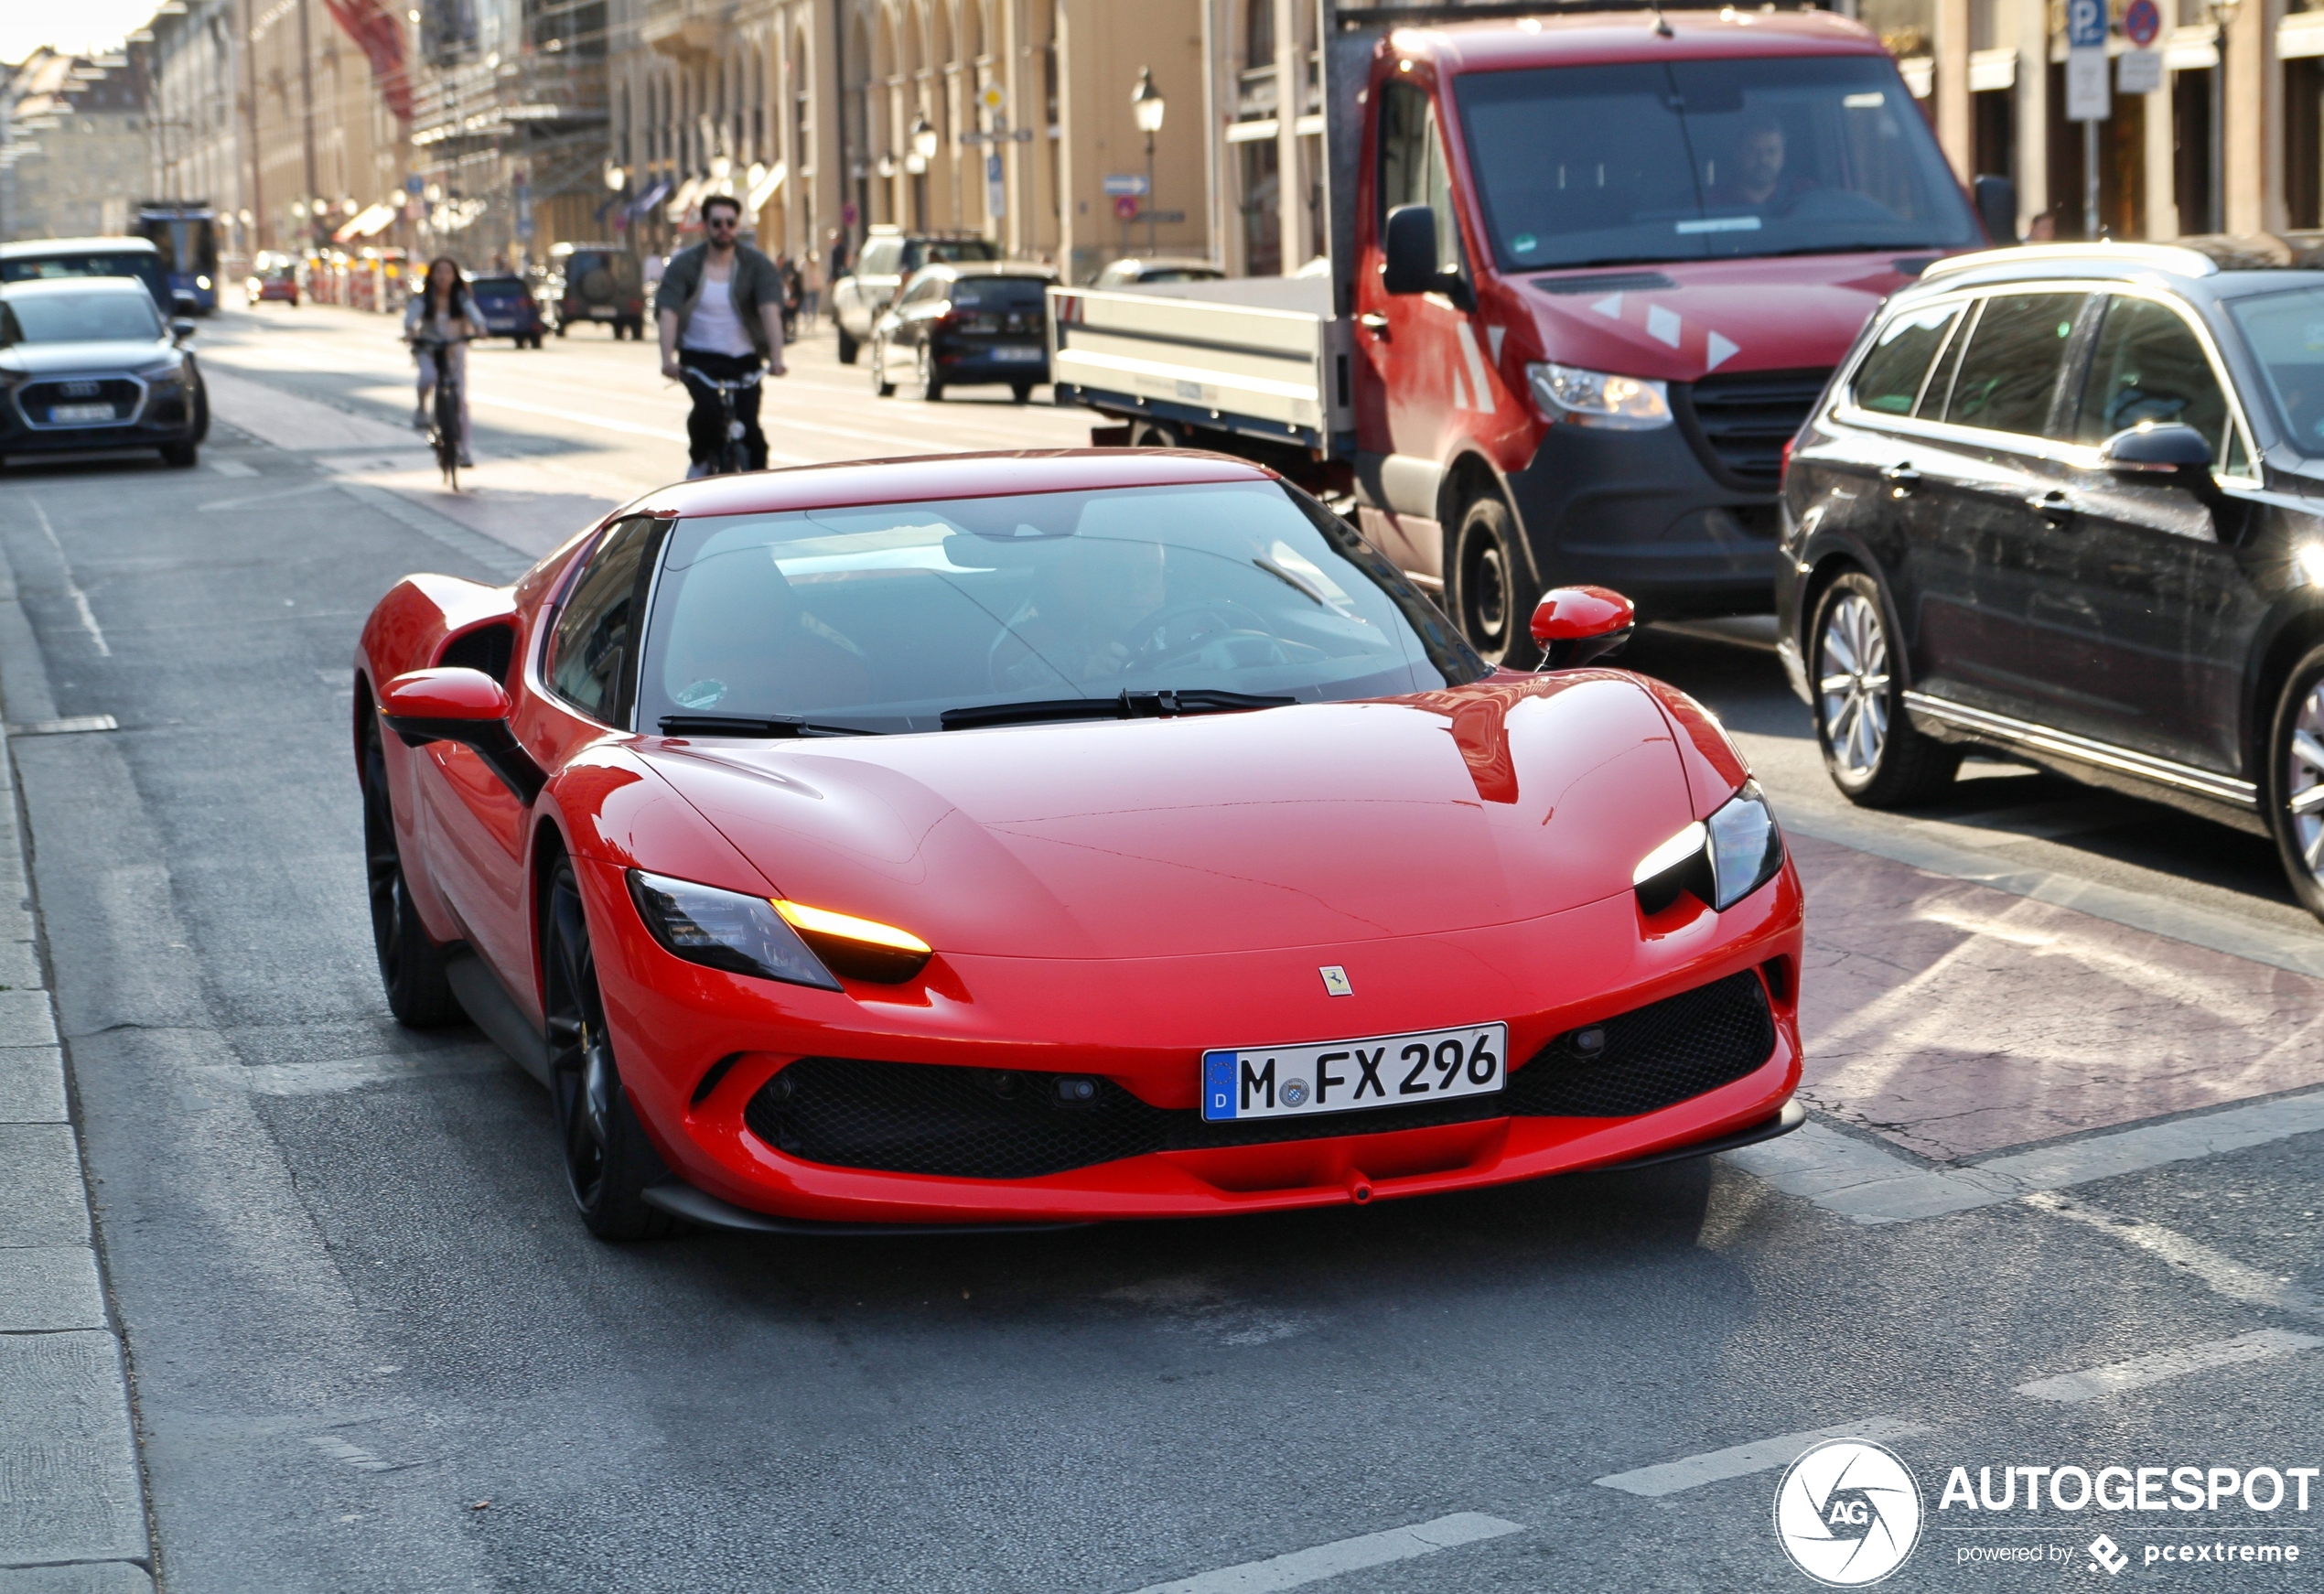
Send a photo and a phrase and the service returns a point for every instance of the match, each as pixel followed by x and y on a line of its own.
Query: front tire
pixel 846 347
pixel 881 386
pixel 2293 790
pixel 180 456
pixel 1493 587
pixel 931 386
pixel 412 966
pixel 1871 749
pixel 1021 392
pixel 609 1162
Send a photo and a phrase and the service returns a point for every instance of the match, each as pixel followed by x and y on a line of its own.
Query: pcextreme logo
pixel 1849 1512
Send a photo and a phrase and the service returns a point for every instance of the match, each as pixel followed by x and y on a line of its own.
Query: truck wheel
pixel 1493 590
pixel 1154 435
pixel 847 348
pixel 1870 748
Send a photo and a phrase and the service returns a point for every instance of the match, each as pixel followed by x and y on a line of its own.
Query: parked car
pixel 508 309
pixel 1132 270
pixel 48 259
pixel 596 282
pixel 273 277
pixel 861 296
pixel 2066 502
pixel 961 325
pixel 88 363
pixel 1013 838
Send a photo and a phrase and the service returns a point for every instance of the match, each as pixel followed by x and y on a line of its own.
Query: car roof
pixel 1596 38
pixel 2210 270
pixel 50 285
pixel 34 249
pixel 939 476
pixel 1025 268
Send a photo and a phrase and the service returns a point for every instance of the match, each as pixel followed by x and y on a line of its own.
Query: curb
pixel 72 1500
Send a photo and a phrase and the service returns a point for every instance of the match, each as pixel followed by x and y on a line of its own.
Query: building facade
pixel 75 146
pixel 200 106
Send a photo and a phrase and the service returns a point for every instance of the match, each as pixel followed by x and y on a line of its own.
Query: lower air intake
pixel 984 1123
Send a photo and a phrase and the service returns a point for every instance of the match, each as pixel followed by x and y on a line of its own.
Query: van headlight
pixel 1721 860
pixel 1599 398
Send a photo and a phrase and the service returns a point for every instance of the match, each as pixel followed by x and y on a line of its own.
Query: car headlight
pixel 1722 860
pixel 725 929
pixel 202 283
pixel 1600 398
pixel 162 373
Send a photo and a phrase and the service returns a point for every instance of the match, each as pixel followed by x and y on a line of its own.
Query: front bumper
pixel 698 1048
pixel 163 414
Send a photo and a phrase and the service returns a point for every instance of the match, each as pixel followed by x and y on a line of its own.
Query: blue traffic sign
pixel 2086 24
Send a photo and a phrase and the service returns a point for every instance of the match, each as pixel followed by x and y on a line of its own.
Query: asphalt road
pixel 372 1348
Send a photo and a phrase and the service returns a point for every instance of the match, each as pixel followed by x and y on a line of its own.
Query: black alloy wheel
pixel 412 966
pixel 1494 590
pixel 1871 749
pixel 931 386
pixel 2294 787
pixel 609 1162
pixel 180 456
pixel 881 386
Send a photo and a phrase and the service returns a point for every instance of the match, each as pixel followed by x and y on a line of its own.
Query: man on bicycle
pixel 720 309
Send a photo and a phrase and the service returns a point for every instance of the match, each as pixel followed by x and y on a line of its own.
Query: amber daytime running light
pixel 859 949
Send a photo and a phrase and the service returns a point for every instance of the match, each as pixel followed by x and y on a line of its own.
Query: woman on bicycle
pixel 438 322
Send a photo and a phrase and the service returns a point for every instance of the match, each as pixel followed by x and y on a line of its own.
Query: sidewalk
pixel 72 1504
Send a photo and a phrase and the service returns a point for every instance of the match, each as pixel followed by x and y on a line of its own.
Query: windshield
pixel 884 617
pixel 932 250
pixel 77 319
pixel 1695 160
pixel 2285 332
pixel 138 264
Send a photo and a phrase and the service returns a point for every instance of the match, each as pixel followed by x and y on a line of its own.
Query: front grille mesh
pixel 37 397
pixel 1743 421
pixel 982 1123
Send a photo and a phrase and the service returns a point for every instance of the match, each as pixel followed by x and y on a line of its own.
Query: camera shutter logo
pixel 1849 1512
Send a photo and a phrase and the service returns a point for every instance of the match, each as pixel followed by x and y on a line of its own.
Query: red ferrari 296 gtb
pixel 1038 838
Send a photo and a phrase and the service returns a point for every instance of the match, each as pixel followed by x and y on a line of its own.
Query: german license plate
pixel 1027 356
pixel 1346 1076
pixel 602 313
pixel 66 415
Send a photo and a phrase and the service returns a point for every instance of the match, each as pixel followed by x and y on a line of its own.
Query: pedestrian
pixel 438 322
pixel 720 313
pixel 794 294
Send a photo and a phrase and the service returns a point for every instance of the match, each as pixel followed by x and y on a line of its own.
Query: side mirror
pixel 180 330
pixel 2168 454
pixel 467 707
pixel 1577 624
pixel 1997 201
pixel 1408 250
pixel 183 303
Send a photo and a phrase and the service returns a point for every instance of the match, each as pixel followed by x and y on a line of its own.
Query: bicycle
pixel 730 461
pixel 444 433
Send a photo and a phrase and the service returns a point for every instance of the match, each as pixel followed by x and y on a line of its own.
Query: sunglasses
pixel 722 221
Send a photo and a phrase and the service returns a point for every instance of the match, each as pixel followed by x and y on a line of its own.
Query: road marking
pixel 69 725
pixel 1372 1549
pixel 72 588
pixel 232 468
pixel 1758 1456
pixel 225 504
pixel 2141 1370
pixel 2222 1272
pixel 1859 1180
pixel 630 428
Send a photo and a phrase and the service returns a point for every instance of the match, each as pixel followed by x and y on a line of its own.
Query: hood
pixel 1681 320
pixel 1308 825
pixel 48 359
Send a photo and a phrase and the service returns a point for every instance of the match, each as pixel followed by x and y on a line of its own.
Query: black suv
pixel 955 325
pixel 595 281
pixel 2068 503
pixel 862 295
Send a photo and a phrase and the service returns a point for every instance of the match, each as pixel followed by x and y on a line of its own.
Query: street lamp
pixel 2223 16
pixel 1146 106
pixel 924 140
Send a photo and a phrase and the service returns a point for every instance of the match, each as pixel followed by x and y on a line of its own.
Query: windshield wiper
pixel 1128 705
pixel 778 725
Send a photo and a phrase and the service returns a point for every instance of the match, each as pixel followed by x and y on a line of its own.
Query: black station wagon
pixel 2066 502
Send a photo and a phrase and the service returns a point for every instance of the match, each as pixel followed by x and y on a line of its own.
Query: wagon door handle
pixel 1901 478
pixel 2053 506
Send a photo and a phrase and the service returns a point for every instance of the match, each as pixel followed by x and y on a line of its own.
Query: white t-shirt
pixel 714 328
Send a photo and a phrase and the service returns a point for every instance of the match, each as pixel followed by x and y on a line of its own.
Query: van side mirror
pixel 1997 201
pixel 1408 250
pixel 2168 454
pixel 1577 624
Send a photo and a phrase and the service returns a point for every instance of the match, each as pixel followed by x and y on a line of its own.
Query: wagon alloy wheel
pixel 1871 749
pixel 2295 793
pixel 412 966
pixel 931 386
pixel 1854 689
pixel 608 1161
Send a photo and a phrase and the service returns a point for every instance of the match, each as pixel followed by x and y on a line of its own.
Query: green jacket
pixel 757 281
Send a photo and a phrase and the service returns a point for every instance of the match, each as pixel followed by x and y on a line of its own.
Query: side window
pixel 2148 365
pixel 881 257
pixel 593 652
pixel 1412 165
pixel 1889 381
pixel 2009 372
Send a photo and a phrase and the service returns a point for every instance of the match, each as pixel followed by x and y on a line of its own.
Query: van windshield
pixel 1695 160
